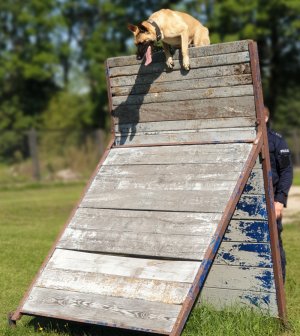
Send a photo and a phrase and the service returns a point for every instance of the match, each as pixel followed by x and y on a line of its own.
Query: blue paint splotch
pixel 196 287
pixel 257 231
pixel 261 249
pixel 248 188
pixel 253 206
pixel 215 243
pixel 205 266
pixel 254 231
pixel 262 253
pixel 227 256
pixel 257 300
pixel 266 279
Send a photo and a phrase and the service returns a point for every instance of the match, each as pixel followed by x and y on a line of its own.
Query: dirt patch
pixel 293 206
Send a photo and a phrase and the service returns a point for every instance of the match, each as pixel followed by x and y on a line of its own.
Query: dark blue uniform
pixel 282 176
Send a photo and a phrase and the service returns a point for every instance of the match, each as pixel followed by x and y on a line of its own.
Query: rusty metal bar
pixel 267 173
pixel 217 238
pixel 109 95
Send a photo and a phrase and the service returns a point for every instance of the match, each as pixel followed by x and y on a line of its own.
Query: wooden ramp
pixel 178 204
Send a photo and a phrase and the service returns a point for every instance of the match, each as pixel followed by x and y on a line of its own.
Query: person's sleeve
pixel 285 172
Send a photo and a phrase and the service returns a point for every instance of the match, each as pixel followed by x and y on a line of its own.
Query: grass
pixel 30 219
pixel 296 179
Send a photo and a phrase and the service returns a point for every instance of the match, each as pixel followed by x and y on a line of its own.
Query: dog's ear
pixel 133 28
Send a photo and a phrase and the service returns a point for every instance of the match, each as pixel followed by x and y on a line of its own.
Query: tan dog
pixel 174 29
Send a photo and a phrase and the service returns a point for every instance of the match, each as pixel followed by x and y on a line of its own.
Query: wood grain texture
pixel 185 95
pixel 184 125
pixel 164 177
pixel 183 84
pixel 92 308
pixel 213 49
pixel 197 62
pixel 195 154
pixel 213 108
pixel 211 135
pixel 159 200
pixel 169 173
pixel 175 75
pixel 138 268
pixel 113 286
pixel 152 222
pixel 173 246
pixel 262 302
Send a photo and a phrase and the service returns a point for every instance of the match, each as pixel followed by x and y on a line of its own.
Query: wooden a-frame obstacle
pixel 180 207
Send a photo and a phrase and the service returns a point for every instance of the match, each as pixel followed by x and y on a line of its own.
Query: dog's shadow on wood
pixel 130 105
pixel 41 324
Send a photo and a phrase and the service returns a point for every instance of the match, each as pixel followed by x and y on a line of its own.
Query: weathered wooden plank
pixel 182 125
pixel 92 308
pixel 144 221
pixel 241 278
pixel 213 49
pixel 135 243
pixel 209 135
pixel 244 254
pixel 255 183
pixel 183 84
pixel 114 286
pixel 251 207
pixel 139 268
pixel 199 62
pixel 169 76
pixel 262 302
pixel 171 173
pixel 155 222
pixel 159 200
pixel 256 231
pixel 194 154
pixel 170 177
pixel 186 95
pixel 213 108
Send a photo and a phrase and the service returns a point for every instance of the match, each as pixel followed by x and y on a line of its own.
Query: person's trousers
pixel 282 252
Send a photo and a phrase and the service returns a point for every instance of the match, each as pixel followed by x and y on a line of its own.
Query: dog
pixel 173 28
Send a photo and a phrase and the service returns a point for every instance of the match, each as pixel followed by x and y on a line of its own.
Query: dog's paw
pixel 170 63
pixel 186 66
pixel 186 63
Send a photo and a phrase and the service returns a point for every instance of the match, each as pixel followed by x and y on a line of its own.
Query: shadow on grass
pixel 78 329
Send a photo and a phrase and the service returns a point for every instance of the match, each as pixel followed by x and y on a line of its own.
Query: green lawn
pixel 30 219
pixel 296 179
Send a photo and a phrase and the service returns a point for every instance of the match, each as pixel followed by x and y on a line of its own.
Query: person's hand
pixel 278 210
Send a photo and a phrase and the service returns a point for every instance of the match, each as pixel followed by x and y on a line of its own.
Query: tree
pixel 28 63
pixel 275 25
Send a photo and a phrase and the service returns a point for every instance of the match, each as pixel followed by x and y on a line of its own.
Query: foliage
pixel 274 24
pixel 288 109
pixel 43 44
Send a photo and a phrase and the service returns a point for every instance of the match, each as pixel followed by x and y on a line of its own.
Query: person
pixel 282 178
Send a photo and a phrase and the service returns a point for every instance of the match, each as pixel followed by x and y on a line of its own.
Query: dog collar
pixel 157 30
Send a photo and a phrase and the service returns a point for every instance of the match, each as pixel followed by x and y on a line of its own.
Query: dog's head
pixel 144 37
